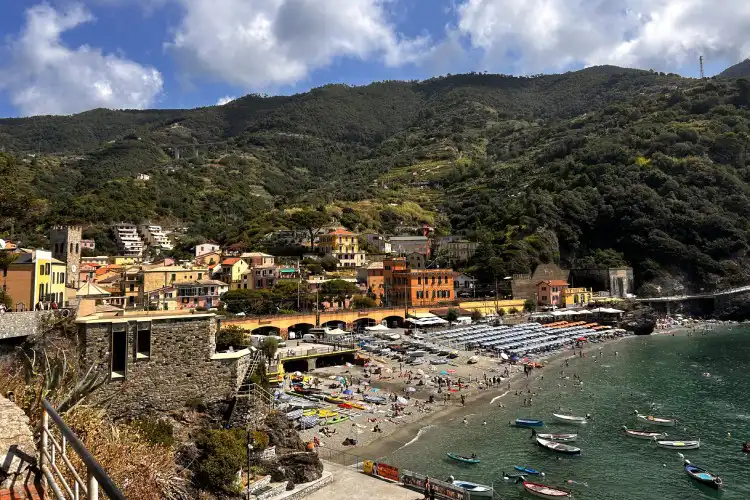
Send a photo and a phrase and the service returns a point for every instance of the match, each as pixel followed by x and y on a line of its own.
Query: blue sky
pixel 67 56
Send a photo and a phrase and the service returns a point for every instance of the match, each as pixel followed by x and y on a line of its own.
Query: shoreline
pixel 407 433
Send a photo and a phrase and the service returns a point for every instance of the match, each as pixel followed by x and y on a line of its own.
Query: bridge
pixel 351 318
pixel 711 295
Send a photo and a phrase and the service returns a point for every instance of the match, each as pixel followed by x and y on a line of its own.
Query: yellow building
pixel 123 260
pixel 343 245
pixel 572 297
pixel 232 270
pixel 159 277
pixel 36 277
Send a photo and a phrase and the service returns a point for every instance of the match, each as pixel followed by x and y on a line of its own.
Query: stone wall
pixel 17 449
pixel 180 366
pixel 20 324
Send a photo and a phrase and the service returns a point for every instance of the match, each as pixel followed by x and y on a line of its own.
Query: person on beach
pixel 427 487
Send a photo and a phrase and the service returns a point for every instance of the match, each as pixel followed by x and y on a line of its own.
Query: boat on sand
pixel 703 476
pixel 644 434
pixel 544 491
pixel 558 447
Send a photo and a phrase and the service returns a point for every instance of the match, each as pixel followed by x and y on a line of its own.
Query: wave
pixel 419 434
pixel 498 397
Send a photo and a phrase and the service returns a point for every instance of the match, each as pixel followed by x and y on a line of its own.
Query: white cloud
pixel 260 43
pixel 539 35
pixel 46 77
pixel 224 100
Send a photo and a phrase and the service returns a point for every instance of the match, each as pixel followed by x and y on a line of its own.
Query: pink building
pixel 549 293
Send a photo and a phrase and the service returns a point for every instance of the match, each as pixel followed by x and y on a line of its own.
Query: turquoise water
pixel 664 370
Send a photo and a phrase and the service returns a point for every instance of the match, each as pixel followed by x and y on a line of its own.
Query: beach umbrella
pixel 348 391
pixel 332 377
pixel 411 389
pixel 443 372
pixel 581 339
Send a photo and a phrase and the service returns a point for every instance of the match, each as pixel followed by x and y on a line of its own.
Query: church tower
pixel 66 246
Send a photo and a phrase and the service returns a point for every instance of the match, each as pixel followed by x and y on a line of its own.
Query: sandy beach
pixel 398 431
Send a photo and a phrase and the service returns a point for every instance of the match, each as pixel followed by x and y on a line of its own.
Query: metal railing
pixel 50 457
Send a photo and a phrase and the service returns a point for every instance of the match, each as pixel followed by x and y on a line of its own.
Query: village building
pixel 550 292
pixel 415 287
pixel 344 246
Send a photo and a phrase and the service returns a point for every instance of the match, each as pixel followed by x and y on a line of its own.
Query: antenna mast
pixel 703 76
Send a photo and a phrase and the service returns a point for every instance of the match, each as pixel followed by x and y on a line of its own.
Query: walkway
pixel 354 485
pixel 676 298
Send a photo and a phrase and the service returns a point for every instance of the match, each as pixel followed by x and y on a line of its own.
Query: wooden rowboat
pixel 644 434
pixel 558 438
pixel 544 491
pixel 569 419
pixel 558 447
pixel 679 445
pixel 650 419
pixel 703 476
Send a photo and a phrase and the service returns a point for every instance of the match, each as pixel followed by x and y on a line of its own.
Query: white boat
pixel 472 360
pixel 558 438
pixel 644 434
pixel 679 445
pixel 569 419
pixel 650 419
pixel 475 490
pixel 558 447
pixel 544 491
pixel 393 336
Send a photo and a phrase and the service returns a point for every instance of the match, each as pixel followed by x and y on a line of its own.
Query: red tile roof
pixel 342 231
pixel 231 261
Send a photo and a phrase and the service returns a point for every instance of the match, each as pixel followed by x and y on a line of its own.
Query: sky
pixel 67 56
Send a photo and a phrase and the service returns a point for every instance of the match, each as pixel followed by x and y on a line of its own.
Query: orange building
pixel 375 281
pixel 549 292
pixel 415 287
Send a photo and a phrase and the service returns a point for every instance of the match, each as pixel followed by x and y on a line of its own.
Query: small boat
pixel 461 458
pixel 527 470
pixel 558 438
pixel 679 445
pixel 352 405
pixel 334 399
pixel 558 447
pixel 294 414
pixel 378 400
pixel 527 422
pixel 569 419
pixel 333 420
pixel 746 447
pixel 544 491
pixel 703 476
pixel 644 434
pixel 475 490
pixel 650 419
pixel 439 361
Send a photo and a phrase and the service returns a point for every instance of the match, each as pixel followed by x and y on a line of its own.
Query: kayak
pixel 527 470
pixel 679 445
pixel 543 491
pixel 702 475
pixel 351 405
pixel 644 434
pixel 320 413
pixel 461 458
pixel 333 399
pixel 475 490
pixel 650 419
pixel 527 422
pixel 333 420
pixel 569 419
pixel 558 447
pixel 558 438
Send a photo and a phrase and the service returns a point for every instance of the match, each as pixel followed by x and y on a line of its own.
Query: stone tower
pixel 66 246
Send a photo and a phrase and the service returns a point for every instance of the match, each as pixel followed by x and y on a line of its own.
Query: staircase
pixel 252 403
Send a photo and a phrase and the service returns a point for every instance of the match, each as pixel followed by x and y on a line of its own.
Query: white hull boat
pixel 644 434
pixel 650 419
pixel 558 438
pixel 475 490
pixel 679 445
pixel 569 419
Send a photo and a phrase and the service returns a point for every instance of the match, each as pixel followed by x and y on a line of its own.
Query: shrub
pixel 233 336
pixel 363 302
pixel 260 440
pixel 154 430
pixel 224 453
pixel 513 310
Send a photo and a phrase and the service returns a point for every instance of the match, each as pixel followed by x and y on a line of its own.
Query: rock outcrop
pixel 640 321
pixel 18 453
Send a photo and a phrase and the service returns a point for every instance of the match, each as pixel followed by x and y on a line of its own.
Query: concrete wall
pixel 179 368
pixel 20 324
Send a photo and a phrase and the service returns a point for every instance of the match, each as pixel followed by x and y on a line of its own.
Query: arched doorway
pixel 394 321
pixel 360 324
pixel 299 329
pixel 334 323
pixel 266 330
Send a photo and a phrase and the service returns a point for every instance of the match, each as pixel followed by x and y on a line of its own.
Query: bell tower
pixel 66 246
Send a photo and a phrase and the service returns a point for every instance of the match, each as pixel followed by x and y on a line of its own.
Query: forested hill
pixel 739 70
pixel 597 167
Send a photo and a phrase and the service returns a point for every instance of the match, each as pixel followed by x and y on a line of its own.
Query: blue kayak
pixel 526 422
pixel 527 470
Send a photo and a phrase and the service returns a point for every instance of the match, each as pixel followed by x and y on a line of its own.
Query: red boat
pixel 543 491
pixel 746 447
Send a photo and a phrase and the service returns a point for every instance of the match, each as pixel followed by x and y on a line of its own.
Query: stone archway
pixel 334 323
pixel 359 324
pixel 300 329
pixel 394 321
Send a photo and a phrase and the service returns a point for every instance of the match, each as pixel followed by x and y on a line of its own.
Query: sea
pixel 702 380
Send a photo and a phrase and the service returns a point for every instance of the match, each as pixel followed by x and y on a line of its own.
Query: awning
pixel 377 328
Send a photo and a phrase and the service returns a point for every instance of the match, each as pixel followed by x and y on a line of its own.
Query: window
pixel 447 294
pixel 544 297
pixel 77 248
pixel 544 288
pixel 119 350
pixel 48 268
pixel 174 277
pixel 259 284
pixel 41 269
pixel 71 247
pixel 41 292
pixel 200 276
pixel 143 341
pixel 132 287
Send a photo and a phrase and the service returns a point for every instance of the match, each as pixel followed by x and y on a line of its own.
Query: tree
pixel 476 315
pixel 231 336
pixel 500 311
pixel 224 454
pixel 529 305
pixel 363 302
pixel 269 347
pixel 338 290
pixel 249 301
pixel 311 221
pixel 285 293
pixel 452 315
pixel 329 262
pixel 513 310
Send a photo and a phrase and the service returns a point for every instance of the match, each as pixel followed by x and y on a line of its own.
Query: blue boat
pixel 703 476
pixel 461 458
pixel 527 422
pixel 527 470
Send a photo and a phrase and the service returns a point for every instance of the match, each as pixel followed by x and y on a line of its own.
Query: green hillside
pixel 601 166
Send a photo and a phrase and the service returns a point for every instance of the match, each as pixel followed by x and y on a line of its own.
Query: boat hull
pixel 559 438
pixel 569 419
pixel 703 476
pixel 542 491
pixel 461 459
pixel 644 434
pixel 565 449
pixel 522 422
pixel 475 490
pixel 679 445
pixel 661 422
pixel 527 470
